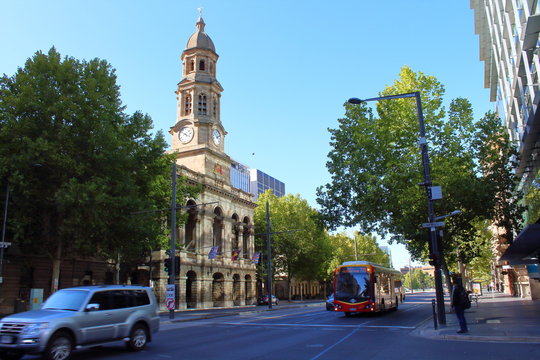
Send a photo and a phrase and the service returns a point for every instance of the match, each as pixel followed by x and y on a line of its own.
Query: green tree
pixel 361 247
pixel 300 245
pixel 78 166
pixel 420 280
pixel 376 167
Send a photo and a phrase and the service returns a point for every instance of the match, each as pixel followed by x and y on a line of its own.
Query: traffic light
pixel 167 265
pixel 177 265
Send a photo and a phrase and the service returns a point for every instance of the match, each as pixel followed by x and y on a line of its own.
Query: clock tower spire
pixel 198 130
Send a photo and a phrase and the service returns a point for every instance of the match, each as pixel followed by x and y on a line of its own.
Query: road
pixel 312 333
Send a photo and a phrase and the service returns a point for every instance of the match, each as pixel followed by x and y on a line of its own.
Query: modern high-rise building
pixel 260 182
pixel 509 45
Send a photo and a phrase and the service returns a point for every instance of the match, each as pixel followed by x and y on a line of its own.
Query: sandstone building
pixel 226 223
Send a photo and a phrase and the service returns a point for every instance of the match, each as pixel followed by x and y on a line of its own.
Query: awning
pixel 525 248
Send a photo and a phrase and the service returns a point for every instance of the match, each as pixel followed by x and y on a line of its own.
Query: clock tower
pixel 198 136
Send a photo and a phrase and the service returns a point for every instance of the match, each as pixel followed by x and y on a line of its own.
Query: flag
pixel 213 252
pixel 255 258
pixel 235 254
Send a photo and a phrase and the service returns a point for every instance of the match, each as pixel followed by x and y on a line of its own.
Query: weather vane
pixel 200 11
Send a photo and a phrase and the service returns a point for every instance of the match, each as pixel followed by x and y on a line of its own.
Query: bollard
pixel 434 314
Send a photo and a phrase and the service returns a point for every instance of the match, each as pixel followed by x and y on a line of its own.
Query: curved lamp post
pixel 422 142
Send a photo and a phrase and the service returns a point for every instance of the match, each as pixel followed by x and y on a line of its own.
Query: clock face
pixel 186 134
pixel 216 137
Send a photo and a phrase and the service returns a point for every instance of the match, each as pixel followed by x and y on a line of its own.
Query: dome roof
pixel 200 39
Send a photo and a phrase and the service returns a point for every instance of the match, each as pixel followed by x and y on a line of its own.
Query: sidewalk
pixel 495 318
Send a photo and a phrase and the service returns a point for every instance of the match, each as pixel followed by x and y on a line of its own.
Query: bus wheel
pixel 397 304
pixel 347 314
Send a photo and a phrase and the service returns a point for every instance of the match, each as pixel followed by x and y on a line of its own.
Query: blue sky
pixel 287 66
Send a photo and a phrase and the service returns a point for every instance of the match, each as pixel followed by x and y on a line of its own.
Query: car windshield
pixel 66 300
pixel 352 284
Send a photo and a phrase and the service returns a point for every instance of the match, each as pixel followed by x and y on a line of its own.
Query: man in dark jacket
pixel 458 303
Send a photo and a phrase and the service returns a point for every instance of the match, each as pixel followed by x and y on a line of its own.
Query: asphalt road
pixel 312 333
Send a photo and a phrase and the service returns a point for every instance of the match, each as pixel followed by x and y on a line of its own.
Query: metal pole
pixel 4 232
pixel 269 257
pixel 410 276
pixel 172 253
pixel 431 213
pixel 355 249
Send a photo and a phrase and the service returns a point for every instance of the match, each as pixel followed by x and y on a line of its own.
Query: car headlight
pixel 34 329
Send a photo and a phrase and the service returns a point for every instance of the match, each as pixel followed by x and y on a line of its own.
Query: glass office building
pixel 260 182
pixel 240 176
pixel 254 181
pixel 509 46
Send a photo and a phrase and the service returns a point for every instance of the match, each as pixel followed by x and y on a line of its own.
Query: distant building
pixel 240 176
pixel 260 182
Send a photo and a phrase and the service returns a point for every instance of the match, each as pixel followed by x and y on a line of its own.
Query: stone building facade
pixel 226 221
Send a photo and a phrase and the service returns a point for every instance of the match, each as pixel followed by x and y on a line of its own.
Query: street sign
pixel 433 224
pixel 4 244
pixel 170 296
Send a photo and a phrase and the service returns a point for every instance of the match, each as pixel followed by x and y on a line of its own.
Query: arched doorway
pixel 218 290
pixel 191 290
pixel 248 292
pixel 236 290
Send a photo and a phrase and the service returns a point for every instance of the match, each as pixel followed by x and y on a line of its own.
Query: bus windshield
pixel 352 284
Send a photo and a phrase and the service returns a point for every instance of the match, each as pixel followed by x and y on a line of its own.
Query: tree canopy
pixel 77 165
pixel 376 168
pixel 300 246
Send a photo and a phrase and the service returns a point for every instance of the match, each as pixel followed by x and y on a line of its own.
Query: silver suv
pixel 80 317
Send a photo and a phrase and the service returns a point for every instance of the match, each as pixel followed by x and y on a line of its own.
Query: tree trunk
pixel 56 262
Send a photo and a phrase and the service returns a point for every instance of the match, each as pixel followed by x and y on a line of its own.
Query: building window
pixel 211 68
pixel 187 105
pixel 202 104
pixel 214 107
pixel 201 65
pixel 191 65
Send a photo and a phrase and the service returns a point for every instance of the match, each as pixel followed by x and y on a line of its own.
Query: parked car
pixel 330 303
pixel 263 300
pixel 81 317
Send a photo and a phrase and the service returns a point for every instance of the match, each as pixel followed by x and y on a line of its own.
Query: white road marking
pixel 359 326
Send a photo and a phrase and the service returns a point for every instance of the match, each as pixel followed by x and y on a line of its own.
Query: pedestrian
pixel 460 302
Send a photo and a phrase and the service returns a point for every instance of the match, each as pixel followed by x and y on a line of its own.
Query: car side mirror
pixel 92 307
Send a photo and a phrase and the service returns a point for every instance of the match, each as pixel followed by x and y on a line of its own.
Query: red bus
pixel 360 286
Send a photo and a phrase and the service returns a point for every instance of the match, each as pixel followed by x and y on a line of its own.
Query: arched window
pixel 245 238
pixel 192 65
pixel 201 65
pixel 191 227
pixel 202 104
pixel 187 104
pixel 217 226
pixel 235 234
pixel 214 107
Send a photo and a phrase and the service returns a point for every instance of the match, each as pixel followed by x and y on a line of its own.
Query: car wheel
pixel 60 347
pixel 137 338
pixel 10 355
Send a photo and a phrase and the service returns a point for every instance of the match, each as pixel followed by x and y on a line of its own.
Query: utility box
pixel 36 299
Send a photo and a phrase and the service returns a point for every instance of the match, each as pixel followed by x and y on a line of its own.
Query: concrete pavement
pixel 496 317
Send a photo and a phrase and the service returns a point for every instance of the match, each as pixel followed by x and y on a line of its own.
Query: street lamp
pixel 455 212
pixel 427 183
